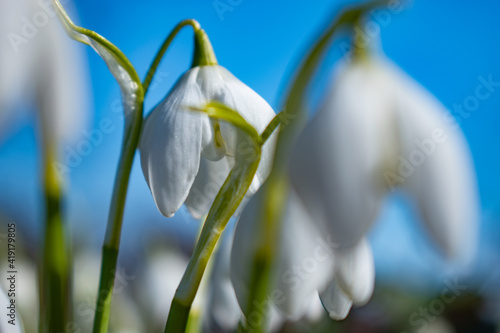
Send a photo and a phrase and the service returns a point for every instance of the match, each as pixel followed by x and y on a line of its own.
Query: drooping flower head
pixel 186 156
pixel 377 130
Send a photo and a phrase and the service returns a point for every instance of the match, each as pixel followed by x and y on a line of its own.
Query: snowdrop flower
pixel 162 276
pixel 223 311
pixel 379 129
pixel 309 263
pixel 39 63
pixel 186 156
pixel 125 315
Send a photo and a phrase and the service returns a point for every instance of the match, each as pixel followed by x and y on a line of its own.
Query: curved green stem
pixel 275 122
pixel 113 232
pixel 203 51
pixel 224 206
pixel 55 300
pixel 164 47
pixel 273 199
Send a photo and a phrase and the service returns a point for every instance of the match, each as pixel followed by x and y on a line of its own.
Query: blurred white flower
pixel 223 312
pixel 308 262
pixel 438 325
pixel 186 156
pixel 125 314
pixel 379 129
pixel 161 278
pixel 11 321
pixel 40 64
pixel 163 273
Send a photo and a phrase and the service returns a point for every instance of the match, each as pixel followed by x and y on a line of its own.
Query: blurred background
pixel 450 47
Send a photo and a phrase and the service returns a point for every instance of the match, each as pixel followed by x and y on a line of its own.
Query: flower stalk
pixel 204 54
pixel 273 199
pixel 55 300
pixel 225 204
pixel 111 244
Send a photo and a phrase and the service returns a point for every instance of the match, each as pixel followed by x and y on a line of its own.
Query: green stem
pixel 55 301
pixel 273 202
pixel 164 47
pixel 203 51
pixel 224 206
pixel 113 232
pixel 271 127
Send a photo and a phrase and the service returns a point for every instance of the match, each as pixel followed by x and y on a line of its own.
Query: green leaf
pixel 117 62
pixel 224 206
pixel 271 127
pixel 222 112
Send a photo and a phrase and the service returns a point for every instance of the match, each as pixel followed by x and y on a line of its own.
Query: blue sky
pixel 446 45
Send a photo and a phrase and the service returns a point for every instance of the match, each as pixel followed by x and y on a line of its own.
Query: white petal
pixel 227 89
pixel 306 259
pixel 258 113
pixel 336 302
pixel 438 170
pixel 244 246
pixel 171 145
pixel 356 272
pixel 315 310
pixel 223 308
pixel 336 162
pixel 304 262
pixel 207 184
pixel 161 279
pixel 210 178
pixel 242 205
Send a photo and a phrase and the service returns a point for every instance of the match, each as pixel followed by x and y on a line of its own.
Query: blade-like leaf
pixel 222 112
pixel 117 62
pixel 225 204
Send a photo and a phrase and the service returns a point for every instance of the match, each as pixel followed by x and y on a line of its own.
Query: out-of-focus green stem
pixel 273 199
pixel 113 232
pixel 55 286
